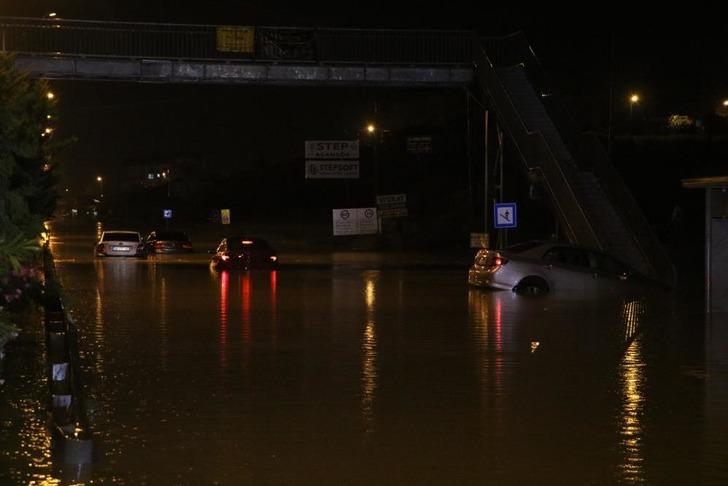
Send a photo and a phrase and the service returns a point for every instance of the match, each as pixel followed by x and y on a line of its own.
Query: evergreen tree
pixel 27 180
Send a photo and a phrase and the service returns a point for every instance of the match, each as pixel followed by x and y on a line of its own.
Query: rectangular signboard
pixel 355 221
pixel 232 38
pixel 391 200
pixel 479 240
pixel 419 145
pixel 225 216
pixel 332 169
pixel 393 213
pixel 392 205
pixel 332 149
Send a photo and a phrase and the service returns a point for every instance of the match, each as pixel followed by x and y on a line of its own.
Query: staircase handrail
pixel 647 242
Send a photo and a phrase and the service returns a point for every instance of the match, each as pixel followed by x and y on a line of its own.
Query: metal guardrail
pixel 200 42
pixel 514 49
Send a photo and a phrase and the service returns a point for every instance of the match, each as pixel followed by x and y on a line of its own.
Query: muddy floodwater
pixel 361 369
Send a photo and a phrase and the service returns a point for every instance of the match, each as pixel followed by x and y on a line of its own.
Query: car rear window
pixel 131 237
pixel 240 243
pixel 172 236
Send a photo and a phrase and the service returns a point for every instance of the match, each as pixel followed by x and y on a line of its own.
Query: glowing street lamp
pixel 633 100
pixel 50 95
pixel 100 180
pixel 371 128
pixel 725 103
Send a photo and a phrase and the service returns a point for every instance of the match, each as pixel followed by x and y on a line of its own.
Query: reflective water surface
pixel 396 374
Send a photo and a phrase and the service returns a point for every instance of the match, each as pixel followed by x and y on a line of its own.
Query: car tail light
pixel 499 260
pixel 100 248
pixel 495 262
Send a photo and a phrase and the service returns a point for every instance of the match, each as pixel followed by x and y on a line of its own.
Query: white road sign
pixel 355 221
pixel 332 169
pixel 332 149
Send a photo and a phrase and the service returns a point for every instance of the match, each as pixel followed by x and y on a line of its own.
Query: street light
pixel 100 180
pixel 371 129
pixel 50 95
pixel 633 100
pixel 725 103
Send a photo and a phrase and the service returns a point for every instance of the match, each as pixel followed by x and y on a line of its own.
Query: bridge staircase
pixel 590 200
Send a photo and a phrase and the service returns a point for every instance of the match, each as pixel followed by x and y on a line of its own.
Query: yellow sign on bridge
pixel 231 38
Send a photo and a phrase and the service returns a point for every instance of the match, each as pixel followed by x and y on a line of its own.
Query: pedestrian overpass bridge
pixel 94 50
pixel 587 195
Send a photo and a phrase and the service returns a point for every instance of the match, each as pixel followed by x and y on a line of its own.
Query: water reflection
pixel 631 432
pixel 246 294
pixel 632 378
pixel 274 306
pixel 99 318
pixel 163 303
pixel 486 316
pixel 99 230
pixel 258 292
pixel 369 351
pixel 223 333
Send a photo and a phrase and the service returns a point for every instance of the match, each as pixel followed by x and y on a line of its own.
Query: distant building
pixel 159 172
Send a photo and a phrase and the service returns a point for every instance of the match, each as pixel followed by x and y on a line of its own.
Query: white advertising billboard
pixel 332 169
pixel 332 149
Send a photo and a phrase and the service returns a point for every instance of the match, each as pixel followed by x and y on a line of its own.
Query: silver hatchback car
pixel 120 244
pixel 541 267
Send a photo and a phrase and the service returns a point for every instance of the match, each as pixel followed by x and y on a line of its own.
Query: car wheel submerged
pixel 532 286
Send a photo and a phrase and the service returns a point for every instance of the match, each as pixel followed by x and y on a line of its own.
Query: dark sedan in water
pixel 168 241
pixel 245 253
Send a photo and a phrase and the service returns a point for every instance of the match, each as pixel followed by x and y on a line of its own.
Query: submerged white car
pixel 541 267
pixel 121 244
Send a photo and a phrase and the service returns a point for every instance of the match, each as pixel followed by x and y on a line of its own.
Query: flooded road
pixel 358 372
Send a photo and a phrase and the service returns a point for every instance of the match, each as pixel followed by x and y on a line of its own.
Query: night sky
pixel 675 59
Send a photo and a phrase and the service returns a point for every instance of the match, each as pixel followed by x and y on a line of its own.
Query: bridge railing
pixel 61 37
